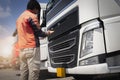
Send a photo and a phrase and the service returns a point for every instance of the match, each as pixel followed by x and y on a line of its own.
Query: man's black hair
pixel 33 4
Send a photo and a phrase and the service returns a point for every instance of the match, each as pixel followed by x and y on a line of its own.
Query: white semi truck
pixel 86 36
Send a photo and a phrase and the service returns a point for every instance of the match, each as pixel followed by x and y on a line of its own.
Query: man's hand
pixel 49 32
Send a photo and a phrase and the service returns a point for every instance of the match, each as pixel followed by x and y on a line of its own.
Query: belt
pixel 27 49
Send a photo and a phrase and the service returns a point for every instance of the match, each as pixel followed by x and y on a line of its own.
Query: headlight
pixel 89 61
pixel 87 39
pixel 87 43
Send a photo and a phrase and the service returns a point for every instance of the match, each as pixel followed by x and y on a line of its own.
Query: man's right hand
pixel 49 32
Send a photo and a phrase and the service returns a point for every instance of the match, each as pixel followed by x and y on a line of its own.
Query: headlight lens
pixel 89 61
pixel 87 43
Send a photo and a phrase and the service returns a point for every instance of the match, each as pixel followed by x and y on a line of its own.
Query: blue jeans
pixel 30 63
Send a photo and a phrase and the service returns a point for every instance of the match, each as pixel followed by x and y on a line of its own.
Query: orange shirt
pixel 26 37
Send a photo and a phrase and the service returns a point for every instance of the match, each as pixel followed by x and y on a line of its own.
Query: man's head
pixel 34 6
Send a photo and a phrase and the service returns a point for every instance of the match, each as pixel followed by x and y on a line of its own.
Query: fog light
pixel 89 61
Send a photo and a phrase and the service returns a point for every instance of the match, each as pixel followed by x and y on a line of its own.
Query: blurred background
pixel 9 12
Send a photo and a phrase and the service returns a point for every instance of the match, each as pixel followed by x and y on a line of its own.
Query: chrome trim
pixel 73 57
pixel 94 24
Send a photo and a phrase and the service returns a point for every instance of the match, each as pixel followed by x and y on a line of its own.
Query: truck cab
pixel 86 36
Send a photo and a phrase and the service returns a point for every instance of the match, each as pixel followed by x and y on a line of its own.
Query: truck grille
pixel 63 45
pixel 63 59
pixel 64 50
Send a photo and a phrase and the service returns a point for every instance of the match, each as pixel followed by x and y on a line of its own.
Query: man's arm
pixel 37 31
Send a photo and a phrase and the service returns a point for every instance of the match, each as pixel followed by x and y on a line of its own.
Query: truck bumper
pixel 90 69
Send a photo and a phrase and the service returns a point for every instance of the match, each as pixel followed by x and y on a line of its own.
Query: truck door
pixel 110 15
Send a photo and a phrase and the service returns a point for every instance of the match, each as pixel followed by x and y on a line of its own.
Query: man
pixel 28 29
